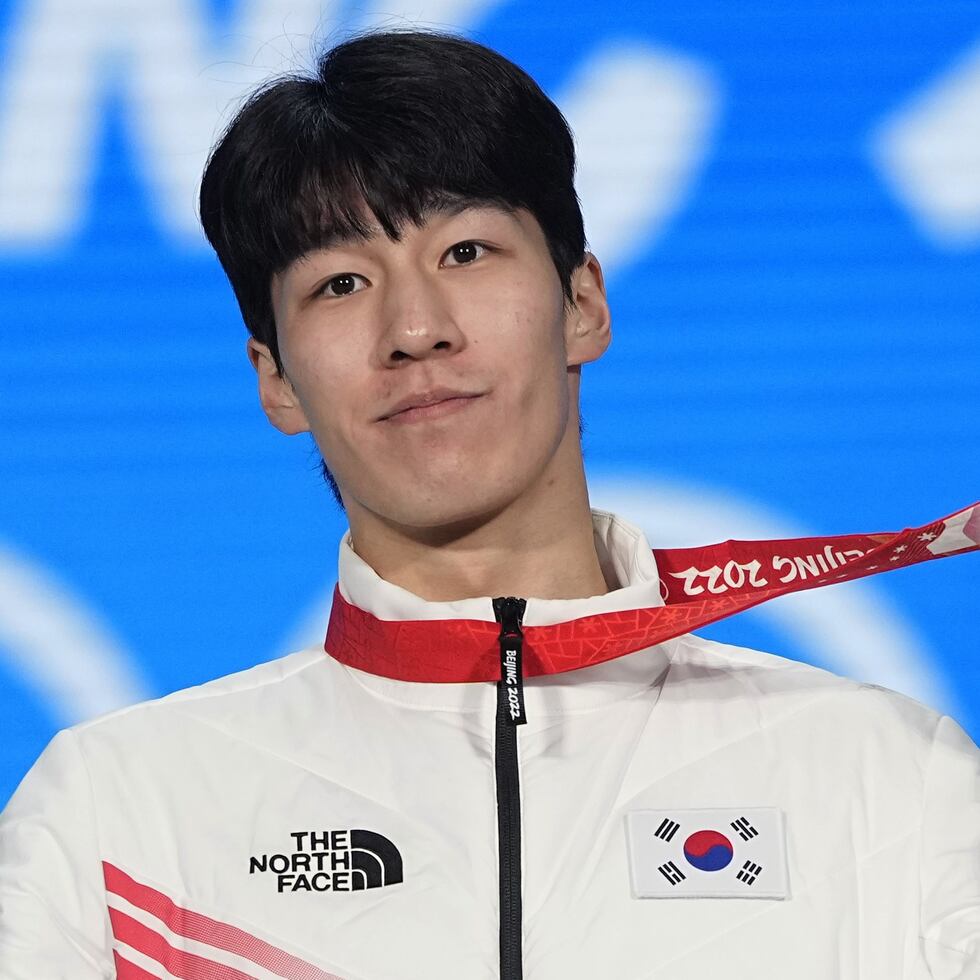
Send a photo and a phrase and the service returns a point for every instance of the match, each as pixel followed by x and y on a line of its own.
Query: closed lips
pixel 423 399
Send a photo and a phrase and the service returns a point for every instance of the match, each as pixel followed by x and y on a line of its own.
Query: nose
pixel 419 320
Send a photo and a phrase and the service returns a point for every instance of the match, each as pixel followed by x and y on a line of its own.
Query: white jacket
pixel 304 819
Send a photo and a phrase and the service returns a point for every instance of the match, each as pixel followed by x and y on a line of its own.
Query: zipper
pixel 510 713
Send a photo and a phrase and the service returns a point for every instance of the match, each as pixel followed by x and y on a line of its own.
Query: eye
pixel 342 285
pixel 466 252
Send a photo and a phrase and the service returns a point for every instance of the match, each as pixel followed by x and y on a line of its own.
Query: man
pixel 484 772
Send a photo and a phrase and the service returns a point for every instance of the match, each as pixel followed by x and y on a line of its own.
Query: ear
pixel 276 393
pixel 588 322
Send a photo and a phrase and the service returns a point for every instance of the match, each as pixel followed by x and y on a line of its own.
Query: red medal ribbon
pixel 700 586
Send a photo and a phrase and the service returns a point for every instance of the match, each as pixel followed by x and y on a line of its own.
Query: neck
pixel 540 545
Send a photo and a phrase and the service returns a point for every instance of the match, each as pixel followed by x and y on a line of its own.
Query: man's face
pixel 470 302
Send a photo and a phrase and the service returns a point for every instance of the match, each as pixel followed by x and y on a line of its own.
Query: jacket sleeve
pixel 950 914
pixel 53 919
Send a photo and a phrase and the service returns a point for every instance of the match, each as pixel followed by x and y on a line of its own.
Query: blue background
pixel 790 337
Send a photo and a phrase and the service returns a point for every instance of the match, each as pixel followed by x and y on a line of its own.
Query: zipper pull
pixel 508 612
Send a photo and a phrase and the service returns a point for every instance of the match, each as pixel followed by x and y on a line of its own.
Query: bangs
pixel 311 179
pixel 348 201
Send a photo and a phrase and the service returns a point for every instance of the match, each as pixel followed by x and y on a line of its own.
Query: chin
pixel 441 514
pixel 446 511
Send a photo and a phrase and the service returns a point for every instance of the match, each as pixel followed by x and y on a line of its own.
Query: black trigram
pixel 744 829
pixel 672 873
pixel 667 829
pixel 749 872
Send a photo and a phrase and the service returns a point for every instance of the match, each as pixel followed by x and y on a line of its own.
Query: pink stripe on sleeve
pixel 203 929
pixel 187 966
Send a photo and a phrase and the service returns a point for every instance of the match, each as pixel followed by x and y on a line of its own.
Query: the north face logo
pixel 332 861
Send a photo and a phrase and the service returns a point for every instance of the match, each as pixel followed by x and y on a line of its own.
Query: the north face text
pixel 332 861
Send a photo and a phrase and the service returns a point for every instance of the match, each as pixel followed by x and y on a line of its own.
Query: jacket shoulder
pixel 780 685
pixel 214 694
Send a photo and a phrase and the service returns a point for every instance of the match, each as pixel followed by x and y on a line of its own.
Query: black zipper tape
pixel 510 713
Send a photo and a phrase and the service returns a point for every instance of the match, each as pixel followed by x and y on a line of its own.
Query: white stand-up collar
pixel 625 557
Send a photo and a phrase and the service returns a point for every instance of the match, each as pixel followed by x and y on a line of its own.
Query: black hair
pixel 407 122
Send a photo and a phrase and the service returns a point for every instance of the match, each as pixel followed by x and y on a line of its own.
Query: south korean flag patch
pixel 718 853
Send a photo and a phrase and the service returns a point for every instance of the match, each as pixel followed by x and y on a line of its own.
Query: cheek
pixel 537 334
pixel 535 371
pixel 322 382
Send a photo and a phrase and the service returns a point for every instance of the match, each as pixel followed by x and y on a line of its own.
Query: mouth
pixel 437 410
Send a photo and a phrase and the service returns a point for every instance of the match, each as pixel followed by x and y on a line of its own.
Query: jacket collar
pixel 371 646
